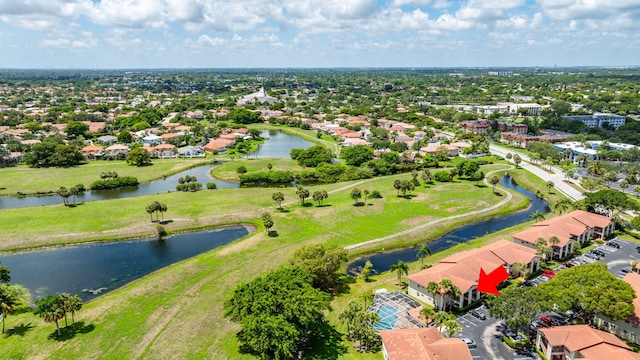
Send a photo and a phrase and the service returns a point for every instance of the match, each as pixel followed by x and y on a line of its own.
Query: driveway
pixel 557 177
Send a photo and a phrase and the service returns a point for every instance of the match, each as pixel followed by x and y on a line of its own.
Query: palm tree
pixel 427 314
pixel 302 193
pixel 451 327
pixel 519 269
pixel 64 194
pixel 9 299
pixel 494 181
pixel 278 197
pixel 441 318
pixel 562 205
pixel 517 160
pixel 554 241
pixel 366 195
pixel 50 309
pixel 422 252
pixel 73 191
pixel 537 215
pixel 550 185
pixel 581 159
pixel 73 304
pixel 162 208
pixel 508 157
pixel 356 194
pixel 150 210
pixel 400 268
pixel 426 175
pixel 449 289
pixel 397 184
pixel 595 168
pixel 434 289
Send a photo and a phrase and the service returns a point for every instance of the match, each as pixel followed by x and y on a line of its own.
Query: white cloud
pixel 206 40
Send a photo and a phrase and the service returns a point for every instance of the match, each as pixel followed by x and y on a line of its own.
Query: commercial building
pixel 599 119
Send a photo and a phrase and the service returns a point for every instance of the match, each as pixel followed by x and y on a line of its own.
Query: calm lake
pixel 278 145
pixel 382 261
pixel 92 269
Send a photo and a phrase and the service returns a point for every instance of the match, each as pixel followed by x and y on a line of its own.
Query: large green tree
pixel 323 263
pixel 519 306
pixel 314 156
pixel 51 154
pixel 276 311
pixel 139 157
pixel 588 290
pixel 356 155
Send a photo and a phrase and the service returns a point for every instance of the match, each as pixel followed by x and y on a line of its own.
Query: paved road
pixel 557 177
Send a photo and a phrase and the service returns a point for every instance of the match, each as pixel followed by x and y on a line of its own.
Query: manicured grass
pixel 177 311
pixel 228 170
pixel 26 180
pixel 184 301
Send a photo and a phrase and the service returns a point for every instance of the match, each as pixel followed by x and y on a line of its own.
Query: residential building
pixel 626 329
pixel 107 139
pixel 513 127
pixel 422 343
pixel 463 269
pixel 92 151
pixel 117 149
pixel 576 226
pixel 164 151
pixel 599 119
pixel 476 126
pixel 190 151
pixel 581 342
pixel 151 140
pixel 218 145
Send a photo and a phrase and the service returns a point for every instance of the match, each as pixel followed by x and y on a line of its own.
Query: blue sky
pixel 317 33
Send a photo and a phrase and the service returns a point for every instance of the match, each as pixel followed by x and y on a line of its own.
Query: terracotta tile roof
pixel 564 226
pixel 424 344
pixel 463 268
pixel 591 343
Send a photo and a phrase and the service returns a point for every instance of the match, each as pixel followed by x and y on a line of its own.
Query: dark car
pixel 592 256
pixel 599 253
pixel 569 264
pixel 613 244
pixel 478 315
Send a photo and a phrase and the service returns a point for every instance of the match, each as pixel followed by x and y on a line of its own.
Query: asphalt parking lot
pixel 488 336
pixel 488 333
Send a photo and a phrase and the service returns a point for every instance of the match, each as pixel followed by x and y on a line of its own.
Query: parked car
pixel 478 315
pixel 569 264
pixel 549 273
pixel 592 256
pixel 599 252
pixel 549 321
pixel 470 342
pixel 613 244
pixel 626 270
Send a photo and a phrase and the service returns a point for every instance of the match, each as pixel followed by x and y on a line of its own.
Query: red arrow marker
pixel 488 282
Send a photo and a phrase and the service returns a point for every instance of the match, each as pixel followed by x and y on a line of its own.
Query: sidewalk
pixel 557 177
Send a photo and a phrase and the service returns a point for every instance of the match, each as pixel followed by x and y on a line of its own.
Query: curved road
pixel 557 177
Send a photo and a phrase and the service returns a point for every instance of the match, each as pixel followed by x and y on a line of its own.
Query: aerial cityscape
pixel 320 180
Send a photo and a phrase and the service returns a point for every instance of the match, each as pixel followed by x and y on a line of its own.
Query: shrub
pixel 114 183
pixel 241 169
pixel 161 230
pixel 80 188
pixel 263 178
pixel 212 186
pixel 442 176
pixel 375 194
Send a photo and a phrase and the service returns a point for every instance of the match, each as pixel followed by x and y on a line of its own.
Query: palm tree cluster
pixel 155 208
pixel 53 308
pixel 404 186
pixel 320 196
pixel 360 326
pixel 443 289
pixel 66 193
pixel 302 193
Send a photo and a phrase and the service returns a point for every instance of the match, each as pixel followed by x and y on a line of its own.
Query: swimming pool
pixel 388 316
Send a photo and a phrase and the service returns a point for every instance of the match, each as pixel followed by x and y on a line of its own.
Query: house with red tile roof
pixel 92 151
pixel 576 226
pixel 164 151
pixel 626 329
pixel 117 149
pixel 463 269
pixel 218 145
pixel 582 342
pixel 423 344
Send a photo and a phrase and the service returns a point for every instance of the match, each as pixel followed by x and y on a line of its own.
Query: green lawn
pixel 177 311
pixel 26 180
